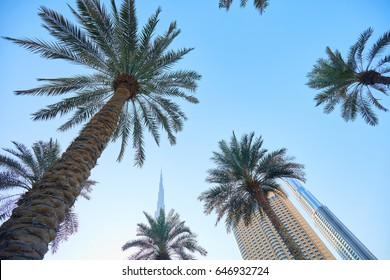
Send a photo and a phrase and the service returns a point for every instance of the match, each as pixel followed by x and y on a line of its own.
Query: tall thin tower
pixel 160 199
pixel 339 236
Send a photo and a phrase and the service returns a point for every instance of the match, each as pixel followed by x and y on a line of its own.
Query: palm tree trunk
pixel 34 223
pixel 383 80
pixel 280 228
pixel 163 257
pixel 373 77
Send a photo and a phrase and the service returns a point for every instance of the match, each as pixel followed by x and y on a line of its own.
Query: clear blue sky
pixel 253 79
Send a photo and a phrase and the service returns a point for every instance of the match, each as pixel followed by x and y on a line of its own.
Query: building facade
pixel 260 241
pixel 346 244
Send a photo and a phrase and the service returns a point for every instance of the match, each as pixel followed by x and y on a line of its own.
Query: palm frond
pixel 7 204
pixel 360 45
pixel 168 59
pixel 86 189
pixel 382 88
pixel 82 114
pixel 158 108
pixel 30 168
pixel 377 48
pixel 100 26
pixel 365 110
pixel 72 37
pixel 174 115
pixel 67 228
pixel 225 4
pixel 61 86
pixel 136 243
pixel 138 139
pixel 87 104
pixel 144 42
pixel 49 50
pixel 124 130
pixel 260 5
pixel 45 154
pixel 349 108
pixel 170 84
pixel 375 101
pixel 9 180
pixel 14 174
pixel 383 61
pixel 149 121
pixel 126 29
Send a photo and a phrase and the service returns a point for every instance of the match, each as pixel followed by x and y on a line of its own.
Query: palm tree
pixel 165 238
pixel 245 174
pixel 20 172
pixel 132 87
pixel 260 5
pixel 351 83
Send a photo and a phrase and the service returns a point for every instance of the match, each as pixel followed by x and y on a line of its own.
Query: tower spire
pixel 160 199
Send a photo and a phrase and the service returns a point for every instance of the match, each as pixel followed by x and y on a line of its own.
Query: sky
pixel 253 71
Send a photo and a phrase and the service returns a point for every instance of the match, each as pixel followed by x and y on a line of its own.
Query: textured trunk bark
pixel 280 228
pixel 34 223
pixel 372 77
pixel 383 80
pixel 163 257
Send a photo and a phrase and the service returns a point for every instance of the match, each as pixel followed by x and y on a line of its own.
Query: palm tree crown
pixel 112 46
pixel 165 238
pixel 20 172
pixel 353 82
pixel 245 174
pixel 260 5
pixel 131 88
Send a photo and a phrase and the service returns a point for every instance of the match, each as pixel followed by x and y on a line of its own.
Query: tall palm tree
pixel 19 172
pixel 353 82
pixel 245 174
pixel 260 5
pixel 165 238
pixel 131 88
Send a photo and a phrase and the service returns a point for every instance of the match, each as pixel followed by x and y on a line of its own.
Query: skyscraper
pixel 260 240
pixel 160 199
pixel 347 245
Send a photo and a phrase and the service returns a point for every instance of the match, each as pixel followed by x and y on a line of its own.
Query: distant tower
pixel 339 236
pixel 160 200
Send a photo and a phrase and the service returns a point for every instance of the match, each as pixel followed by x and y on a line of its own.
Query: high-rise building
pixel 160 199
pixel 347 245
pixel 259 240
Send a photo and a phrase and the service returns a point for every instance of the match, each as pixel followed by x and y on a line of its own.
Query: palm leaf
pixel 99 25
pixel 73 38
pixel 366 111
pixel 377 48
pixel 67 228
pixel 138 139
pixel 375 101
pixel 361 43
pixel 124 130
pixel 61 86
pixel 126 29
pixel 7 204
